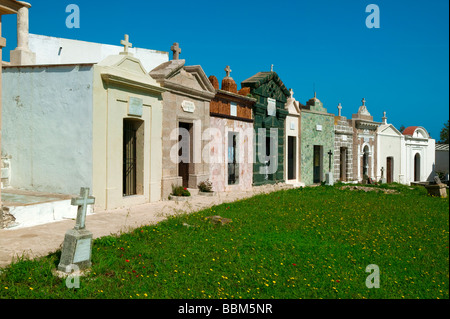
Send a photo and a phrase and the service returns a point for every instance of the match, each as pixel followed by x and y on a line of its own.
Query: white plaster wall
pixel 43 213
pixel 47 127
pixel 51 50
pixel 430 170
pixel 426 149
pixel 442 161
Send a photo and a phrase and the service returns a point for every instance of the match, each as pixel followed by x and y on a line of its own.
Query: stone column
pixel 22 54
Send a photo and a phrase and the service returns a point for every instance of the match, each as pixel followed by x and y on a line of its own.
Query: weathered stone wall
pixel 219 153
pixel 173 114
pixel 343 138
pixel 364 137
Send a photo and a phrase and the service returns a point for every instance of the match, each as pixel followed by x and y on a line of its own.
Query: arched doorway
pixel 417 167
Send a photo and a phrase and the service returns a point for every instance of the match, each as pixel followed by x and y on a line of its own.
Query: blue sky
pixel 401 68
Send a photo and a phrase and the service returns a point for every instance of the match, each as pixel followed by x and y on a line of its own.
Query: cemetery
pixel 153 180
pixel 317 247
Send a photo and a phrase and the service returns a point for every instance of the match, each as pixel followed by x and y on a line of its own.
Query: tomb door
pixel 291 157
pixel 184 152
pixel 343 164
pixel 133 139
pixel 417 167
pixel 389 169
pixel 233 164
pixel 317 164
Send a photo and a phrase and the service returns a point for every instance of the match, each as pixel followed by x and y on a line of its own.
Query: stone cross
pixel 228 70
pixel 126 44
pixel 364 101
pixel 329 160
pixel 77 245
pixel 437 180
pixel 82 203
pixel 271 68
pixel 175 48
pixel 339 109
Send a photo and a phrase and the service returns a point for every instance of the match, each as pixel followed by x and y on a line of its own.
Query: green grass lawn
pixel 300 243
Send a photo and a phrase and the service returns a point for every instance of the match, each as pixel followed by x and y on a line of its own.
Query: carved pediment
pixel 192 80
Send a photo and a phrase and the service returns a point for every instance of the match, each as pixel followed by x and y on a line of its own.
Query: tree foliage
pixel 444 134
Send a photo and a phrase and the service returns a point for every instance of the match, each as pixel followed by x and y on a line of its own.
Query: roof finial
pixel 175 48
pixel 271 68
pixel 126 44
pixel 339 109
pixel 384 118
pixel 228 71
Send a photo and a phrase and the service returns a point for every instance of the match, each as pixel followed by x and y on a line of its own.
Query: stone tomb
pixel 292 153
pixel 77 246
pixel 186 116
pixel 343 148
pixel 269 113
pixel 232 137
pixel 364 144
pixel 317 140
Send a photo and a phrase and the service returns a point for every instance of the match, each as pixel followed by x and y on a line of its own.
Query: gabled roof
pixel 263 77
pixel 387 128
pixel 127 70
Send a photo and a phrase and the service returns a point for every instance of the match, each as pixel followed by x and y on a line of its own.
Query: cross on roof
pixel 175 48
pixel 82 203
pixel 228 70
pixel 364 101
pixel 271 68
pixel 339 109
pixel 126 44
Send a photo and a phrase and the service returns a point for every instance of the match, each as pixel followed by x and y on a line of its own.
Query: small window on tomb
pixel 233 109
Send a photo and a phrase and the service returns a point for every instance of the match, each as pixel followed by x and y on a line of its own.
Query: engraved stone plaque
pixel 82 250
pixel 135 106
pixel 271 107
pixel 188 106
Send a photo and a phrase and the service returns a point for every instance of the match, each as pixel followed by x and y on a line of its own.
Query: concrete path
pixel 41 240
